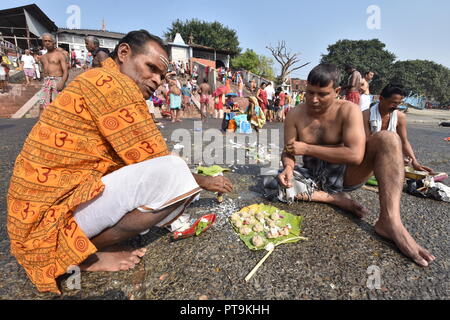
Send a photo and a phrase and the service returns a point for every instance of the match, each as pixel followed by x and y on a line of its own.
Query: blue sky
pixel 414 29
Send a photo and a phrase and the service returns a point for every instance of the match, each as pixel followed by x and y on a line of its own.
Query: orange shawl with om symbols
pixel 97 125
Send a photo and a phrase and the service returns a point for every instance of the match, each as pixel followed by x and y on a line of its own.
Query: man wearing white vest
pixel 385 116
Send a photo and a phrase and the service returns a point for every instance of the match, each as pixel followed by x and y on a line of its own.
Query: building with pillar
pixel 23 26
pixel 211 57
pixel 69 39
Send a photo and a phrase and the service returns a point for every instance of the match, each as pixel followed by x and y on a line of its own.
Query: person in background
pixel 56 72
pixel 73 58
pixel 384 116
pixel 37 70
pixel 4 70
pixel 28 63
pixel 281 104
pixel 353 86
pixel 89 60
pixel 255 114
pixel 253 86
pixel 219 104
pixel 270 99
pixel 98 54
pixel 261 95
pixel 186 97
pixel 205 96
pixel 364 102
pixel 240 87
pixel 175 99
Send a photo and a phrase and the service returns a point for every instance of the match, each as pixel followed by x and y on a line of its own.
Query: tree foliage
pixel 423 77
pixel 364 55
pixel 257 64
pixel 210 34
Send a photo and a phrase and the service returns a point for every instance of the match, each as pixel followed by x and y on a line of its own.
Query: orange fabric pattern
pixel 97 125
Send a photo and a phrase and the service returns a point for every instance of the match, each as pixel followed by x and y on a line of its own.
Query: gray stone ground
pixel 331 265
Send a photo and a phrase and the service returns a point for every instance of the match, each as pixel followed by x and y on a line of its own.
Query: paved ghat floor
pixel 333 264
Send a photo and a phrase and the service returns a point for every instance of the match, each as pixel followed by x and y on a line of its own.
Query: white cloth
pixel 28 62
pixel 364 102
pixel 38 73
pixel 376 122
pixel 148 186
pixel 270 92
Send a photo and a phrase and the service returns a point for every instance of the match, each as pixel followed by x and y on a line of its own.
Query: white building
pixel 69 39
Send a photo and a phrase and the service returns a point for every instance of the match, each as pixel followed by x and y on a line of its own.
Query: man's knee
pixel 385 140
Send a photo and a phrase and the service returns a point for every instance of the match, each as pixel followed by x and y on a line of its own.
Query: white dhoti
pixel 364 102
pixel 148 186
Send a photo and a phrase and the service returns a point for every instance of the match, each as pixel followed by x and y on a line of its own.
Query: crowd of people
pixel 35 63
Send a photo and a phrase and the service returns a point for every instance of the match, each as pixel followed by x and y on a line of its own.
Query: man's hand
pixel 418 167
pixel 296 148
pixel 286 176
pixel 60 86
pixel 216 184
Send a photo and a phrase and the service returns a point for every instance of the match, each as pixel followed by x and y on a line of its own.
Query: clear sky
pixel 411 29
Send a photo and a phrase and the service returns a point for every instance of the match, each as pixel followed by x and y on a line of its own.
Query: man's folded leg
pixel 136 198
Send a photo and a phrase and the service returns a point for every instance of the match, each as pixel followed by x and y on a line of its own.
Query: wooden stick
pixel 250 275
pixel 370 188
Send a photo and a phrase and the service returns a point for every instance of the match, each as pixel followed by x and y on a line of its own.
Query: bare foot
pixel 407 245
pixel 345 201
pixel 113 259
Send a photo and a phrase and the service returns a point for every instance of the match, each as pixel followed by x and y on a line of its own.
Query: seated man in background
pixel 384 116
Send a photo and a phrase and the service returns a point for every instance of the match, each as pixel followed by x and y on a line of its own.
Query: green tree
pixel 364 55
pixel 257 64
pixel 265 68
pixel 210 34
pixel 249 61
pixel 423 77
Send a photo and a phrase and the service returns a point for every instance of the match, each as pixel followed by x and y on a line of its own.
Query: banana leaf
pixel 288 218
pixel 211 171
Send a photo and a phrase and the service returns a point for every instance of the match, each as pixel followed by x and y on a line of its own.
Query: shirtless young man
pixel 354 84
pixel 384 116
pixel 205 97
pixel 329 134
pixel 55 71
pixel 364 90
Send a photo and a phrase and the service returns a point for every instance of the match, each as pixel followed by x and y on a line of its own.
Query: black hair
pixel 365 74
pixel 323 74
pixel 392 89
pixel 348 67
pixel 137 40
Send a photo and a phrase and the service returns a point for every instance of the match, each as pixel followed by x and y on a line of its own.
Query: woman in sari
pixel 261 96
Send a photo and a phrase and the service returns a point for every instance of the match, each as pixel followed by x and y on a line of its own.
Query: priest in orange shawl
pixel 95 171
